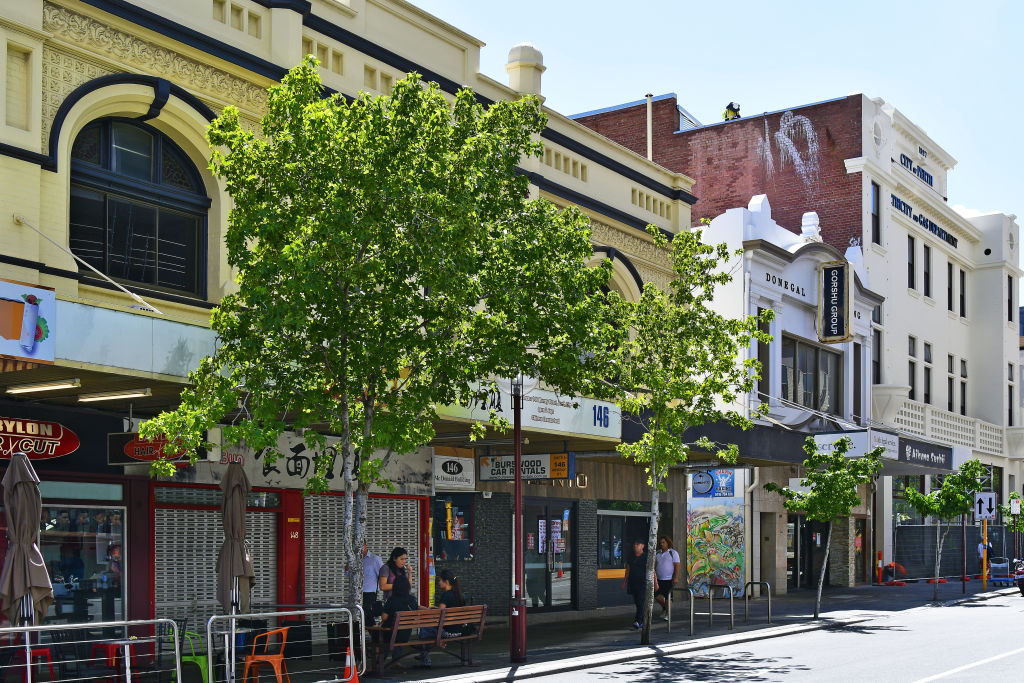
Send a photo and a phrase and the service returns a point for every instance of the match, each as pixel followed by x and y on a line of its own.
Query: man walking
pixel 635 581
pixel 371 568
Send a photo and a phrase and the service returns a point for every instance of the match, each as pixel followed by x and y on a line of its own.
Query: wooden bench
pixel 385 638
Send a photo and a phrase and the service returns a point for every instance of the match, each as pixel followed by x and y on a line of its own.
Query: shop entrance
pixel 805 552
pixel 549 546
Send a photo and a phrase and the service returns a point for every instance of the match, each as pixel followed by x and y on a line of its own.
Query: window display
pixel 83 548
pixel 453 524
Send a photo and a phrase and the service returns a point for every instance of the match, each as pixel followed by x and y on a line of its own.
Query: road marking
pixel 968 666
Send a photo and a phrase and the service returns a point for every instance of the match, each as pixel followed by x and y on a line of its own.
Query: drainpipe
pixel 650 128
pixel 753 534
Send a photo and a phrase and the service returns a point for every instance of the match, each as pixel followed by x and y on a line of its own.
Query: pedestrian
pixel 449 594
pixel 393 579
pixel 981 555
pixel 371 574
pixel 635 580
pixel 666 569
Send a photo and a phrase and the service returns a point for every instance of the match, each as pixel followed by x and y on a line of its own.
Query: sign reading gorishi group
pixel 834 302
pixel 533 466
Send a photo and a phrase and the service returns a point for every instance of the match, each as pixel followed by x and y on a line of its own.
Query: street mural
pixel 715 544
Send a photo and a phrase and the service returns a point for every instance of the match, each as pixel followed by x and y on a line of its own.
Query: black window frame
pixel 788 389
pixel 926 266
pixel 911 262
pixel 949 285
pixel 912 378
pixel 963 293
pixel 101 179
pixel 876 213
pixel 1009 299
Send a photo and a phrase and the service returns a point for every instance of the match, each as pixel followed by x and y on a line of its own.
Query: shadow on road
pixel 739 666
pixel 863 629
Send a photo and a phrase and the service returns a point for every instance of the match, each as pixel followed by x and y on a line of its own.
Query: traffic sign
pixel 985 505
pixel 1015 506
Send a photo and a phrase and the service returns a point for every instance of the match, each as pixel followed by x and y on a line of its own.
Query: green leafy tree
pixel 389 261
pixel 1013 522
pixel 680 367
pixel 945 502
pixel 833 480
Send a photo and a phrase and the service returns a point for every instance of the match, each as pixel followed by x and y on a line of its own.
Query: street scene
pixel 436 340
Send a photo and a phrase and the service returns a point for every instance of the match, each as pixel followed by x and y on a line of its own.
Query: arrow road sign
pixel 985 505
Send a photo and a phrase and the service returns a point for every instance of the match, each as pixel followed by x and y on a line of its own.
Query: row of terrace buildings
pixel 103 110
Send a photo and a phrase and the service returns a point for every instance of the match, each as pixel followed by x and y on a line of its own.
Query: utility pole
pixel 963 554
pixel 984 555
pixel 517 621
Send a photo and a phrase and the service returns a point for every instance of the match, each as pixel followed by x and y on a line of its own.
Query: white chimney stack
pixel 524 67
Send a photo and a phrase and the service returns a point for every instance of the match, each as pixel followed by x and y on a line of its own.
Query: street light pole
pixel 517 644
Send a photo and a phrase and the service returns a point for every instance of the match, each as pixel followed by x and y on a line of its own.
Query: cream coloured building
pixel 103 111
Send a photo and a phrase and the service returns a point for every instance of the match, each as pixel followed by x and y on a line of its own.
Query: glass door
pixel 549 550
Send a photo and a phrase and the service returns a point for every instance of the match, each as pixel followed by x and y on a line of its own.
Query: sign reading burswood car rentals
pixel 534 466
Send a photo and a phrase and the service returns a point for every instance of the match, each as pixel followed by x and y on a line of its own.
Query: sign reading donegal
pixel 37 439
pixel 533 466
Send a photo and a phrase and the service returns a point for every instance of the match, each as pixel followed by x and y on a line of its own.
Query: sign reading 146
pixel 601 418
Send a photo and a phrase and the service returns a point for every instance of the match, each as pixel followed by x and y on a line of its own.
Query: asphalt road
pixel 979 641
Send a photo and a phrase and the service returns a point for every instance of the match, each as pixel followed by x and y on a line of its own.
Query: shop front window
pixel 84 551
pixel 453 526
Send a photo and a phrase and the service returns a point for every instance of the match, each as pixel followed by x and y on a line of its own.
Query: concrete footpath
pixel 605 636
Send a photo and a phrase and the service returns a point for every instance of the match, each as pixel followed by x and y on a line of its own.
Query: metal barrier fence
pixel 711 613
pixel 292 647
pixel 914 549
pixel 747 595
pixel 693 598
pixel 93 651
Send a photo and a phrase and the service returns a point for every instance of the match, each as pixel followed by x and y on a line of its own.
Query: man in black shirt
pixel 635 581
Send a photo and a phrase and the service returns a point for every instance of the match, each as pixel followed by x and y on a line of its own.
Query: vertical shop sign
pixel 834 302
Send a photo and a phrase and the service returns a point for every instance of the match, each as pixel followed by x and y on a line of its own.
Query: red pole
pixel 517 621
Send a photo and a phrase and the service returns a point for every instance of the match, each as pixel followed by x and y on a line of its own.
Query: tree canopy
pixel 389 261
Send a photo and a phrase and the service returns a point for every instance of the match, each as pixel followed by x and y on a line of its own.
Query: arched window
pixel 138 207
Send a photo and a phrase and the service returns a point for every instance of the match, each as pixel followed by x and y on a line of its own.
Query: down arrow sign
pixel 990 508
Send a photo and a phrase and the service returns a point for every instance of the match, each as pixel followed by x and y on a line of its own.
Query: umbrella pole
pixel 233 643
pixel 27 608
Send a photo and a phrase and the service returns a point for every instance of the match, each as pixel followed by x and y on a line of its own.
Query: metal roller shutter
pixel 186 547
pixel 390 522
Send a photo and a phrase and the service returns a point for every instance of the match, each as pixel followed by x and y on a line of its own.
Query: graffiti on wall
pixel 715 544
pixel 796 144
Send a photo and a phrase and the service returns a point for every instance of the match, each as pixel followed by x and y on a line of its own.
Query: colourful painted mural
pixel 715 544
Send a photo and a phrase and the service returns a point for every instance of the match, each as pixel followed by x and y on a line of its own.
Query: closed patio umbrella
pixel 234 563
pixel 25 588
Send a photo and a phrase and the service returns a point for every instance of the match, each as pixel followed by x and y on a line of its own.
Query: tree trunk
pixel 652 545
pixel 824 568
pixel 940 540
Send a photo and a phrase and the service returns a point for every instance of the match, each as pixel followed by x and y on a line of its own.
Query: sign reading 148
pixel 601 418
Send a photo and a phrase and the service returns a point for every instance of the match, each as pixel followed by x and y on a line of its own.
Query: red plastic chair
pixel 276 660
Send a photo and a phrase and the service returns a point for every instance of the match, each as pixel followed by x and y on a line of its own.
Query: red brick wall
pixel 731 162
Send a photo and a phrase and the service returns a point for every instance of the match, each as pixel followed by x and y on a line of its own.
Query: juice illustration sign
pixel 28 317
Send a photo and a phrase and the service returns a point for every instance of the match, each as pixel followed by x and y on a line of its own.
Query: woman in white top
pixel 666 568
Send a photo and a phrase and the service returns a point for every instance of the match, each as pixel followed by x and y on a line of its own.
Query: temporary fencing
pixel 914 549
pixel 323 645
pixel 142 650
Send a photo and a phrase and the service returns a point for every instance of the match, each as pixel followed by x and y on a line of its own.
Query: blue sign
pixel 922 220
pixel 722 484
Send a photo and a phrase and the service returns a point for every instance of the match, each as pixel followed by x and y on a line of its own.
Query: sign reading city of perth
pixel 544 411
pixel 534 466
pixel 28 322
pixel 834 302
pixel 38 439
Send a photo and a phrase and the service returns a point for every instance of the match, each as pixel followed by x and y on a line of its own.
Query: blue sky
pixel 954 69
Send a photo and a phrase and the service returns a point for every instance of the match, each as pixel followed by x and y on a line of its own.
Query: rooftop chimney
pixel 524 67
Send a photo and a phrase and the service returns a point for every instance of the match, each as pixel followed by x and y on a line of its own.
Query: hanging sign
pixel 28 322
pixel 454 474
pixel 834 302
pixel 534 466
pixel 38 439
pixel 129 448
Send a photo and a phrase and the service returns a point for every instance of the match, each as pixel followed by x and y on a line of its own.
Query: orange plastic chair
pixel 275 660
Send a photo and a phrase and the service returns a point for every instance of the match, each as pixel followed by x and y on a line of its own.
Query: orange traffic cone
pixel 350 663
